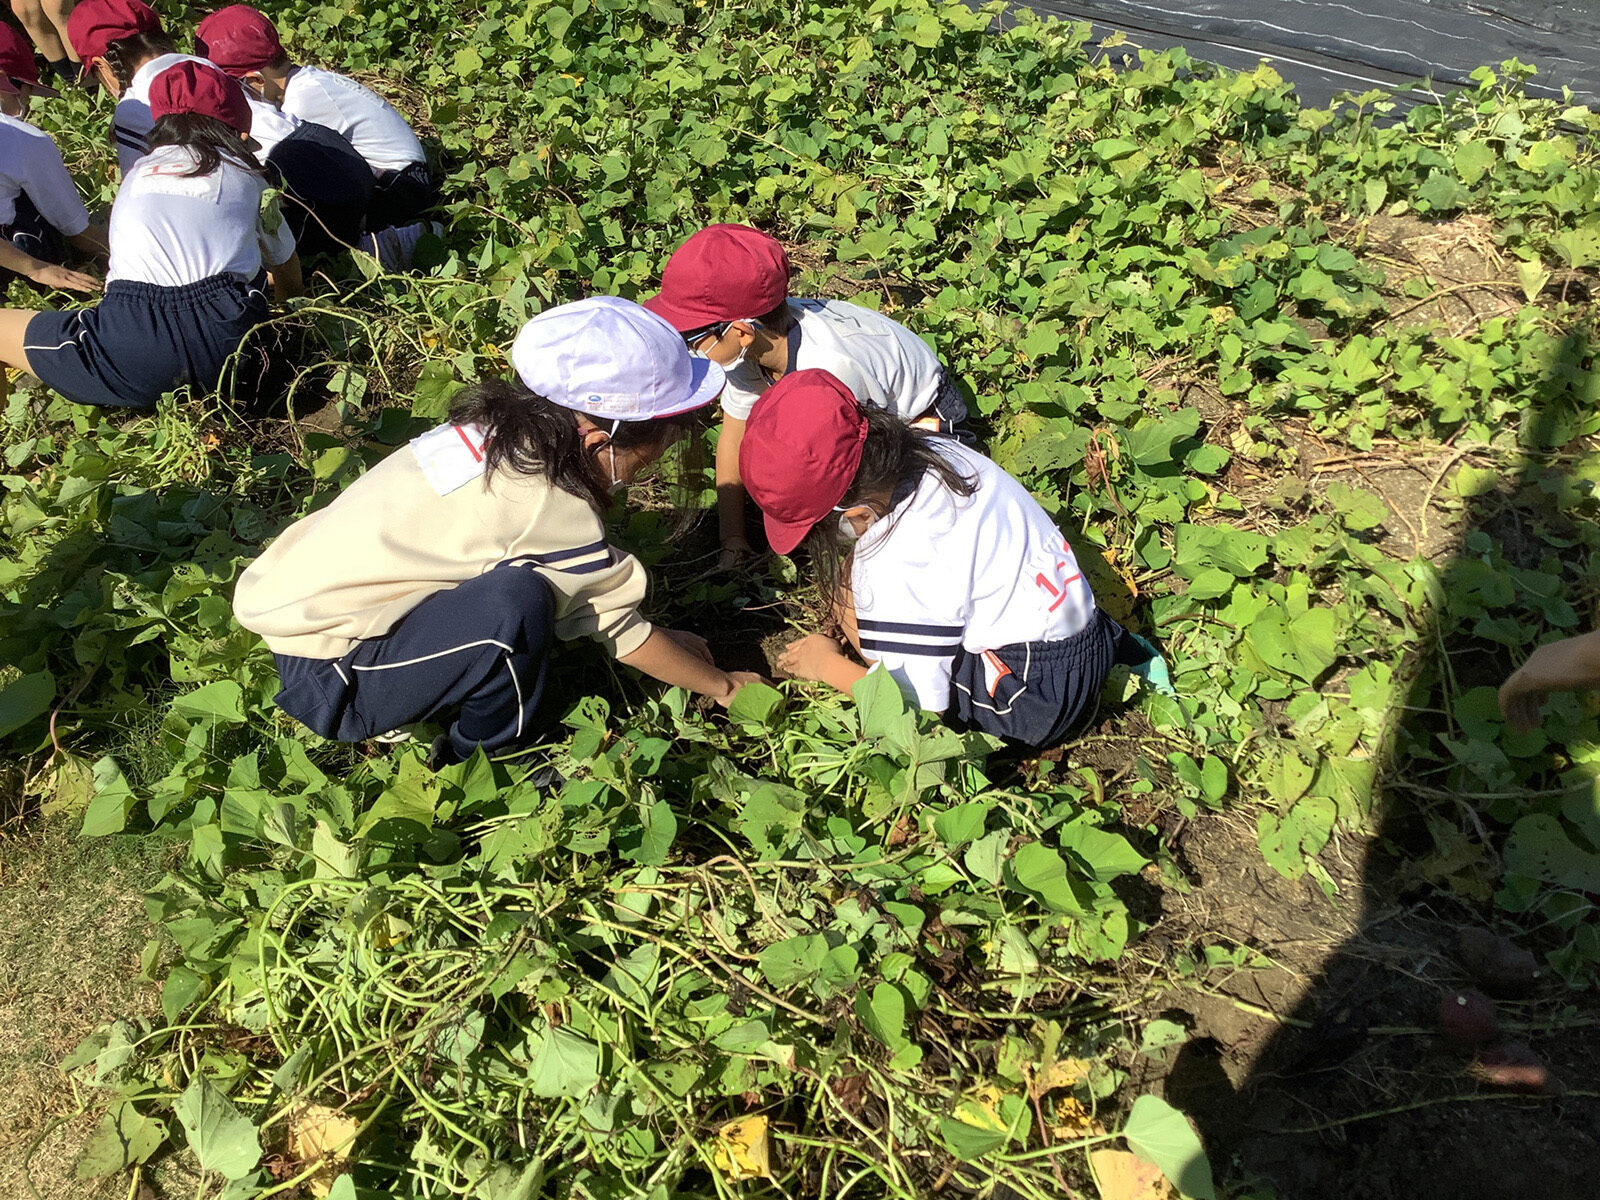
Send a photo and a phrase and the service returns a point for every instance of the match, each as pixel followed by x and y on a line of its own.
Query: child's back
pixel 368 122
pixel 882 361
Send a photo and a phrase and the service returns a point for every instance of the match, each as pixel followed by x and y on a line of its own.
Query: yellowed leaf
pixel 1058 1073
pixel 980 1108
pixel 319 1133
pixel 742 1150
pixel 1124 1176
pixel 1070 1118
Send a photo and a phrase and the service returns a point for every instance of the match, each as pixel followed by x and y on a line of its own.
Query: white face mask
pixel 847 527
pixel 616 485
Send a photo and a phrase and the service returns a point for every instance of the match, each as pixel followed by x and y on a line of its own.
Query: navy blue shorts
pixel 476 655
pixel 142 340
pixel 951 410
pixel 328 189
pixel 32 234
pixel 402 197
pixel 1035 693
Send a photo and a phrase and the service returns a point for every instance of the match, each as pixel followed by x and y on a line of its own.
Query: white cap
pixel 611 358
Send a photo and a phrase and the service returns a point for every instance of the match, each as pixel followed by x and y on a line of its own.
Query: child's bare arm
pixel 664 657
pixel 1556 667
pixel 730 491
pixel 287 281
pixel 44 274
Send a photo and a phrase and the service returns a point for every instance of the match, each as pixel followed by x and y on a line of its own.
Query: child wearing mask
pixel 40 209
pixel 439 583
pixel 945 570
pixel 189 244
pixel 328 187
pixel 726 290
pixel 245 44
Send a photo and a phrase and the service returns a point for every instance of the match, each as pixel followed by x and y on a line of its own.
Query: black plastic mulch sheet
pixel 1324 47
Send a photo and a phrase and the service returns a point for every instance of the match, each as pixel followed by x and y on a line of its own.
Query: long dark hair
pixel 528 435
pixel 211 141
pixel 894 460
pixel 126 55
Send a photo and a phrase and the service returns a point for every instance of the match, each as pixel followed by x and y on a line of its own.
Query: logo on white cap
pixel 609 357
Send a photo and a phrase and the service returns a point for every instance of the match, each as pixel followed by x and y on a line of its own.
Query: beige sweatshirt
pixel 421 521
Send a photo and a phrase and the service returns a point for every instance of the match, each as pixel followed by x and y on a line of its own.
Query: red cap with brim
pixel 95 24
pixel 239 39
pixel 17 65
pixel 801 450
pixel 192 87
pixel 722 273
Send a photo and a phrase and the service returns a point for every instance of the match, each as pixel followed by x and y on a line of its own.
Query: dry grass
pixel 72 926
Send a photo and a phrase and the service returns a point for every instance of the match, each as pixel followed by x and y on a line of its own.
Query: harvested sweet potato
pixel 1498 965
pixel 1467 1018
pixel 1516 1068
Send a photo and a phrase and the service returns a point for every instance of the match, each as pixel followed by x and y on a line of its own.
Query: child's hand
pixel 739 678
pixel 60 277
pixel 1554 667
pixel 812 657
pixel 734 552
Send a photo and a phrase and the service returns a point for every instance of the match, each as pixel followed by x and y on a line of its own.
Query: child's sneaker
pixel 395 246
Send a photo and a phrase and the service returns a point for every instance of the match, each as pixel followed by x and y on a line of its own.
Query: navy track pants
pixel 479 650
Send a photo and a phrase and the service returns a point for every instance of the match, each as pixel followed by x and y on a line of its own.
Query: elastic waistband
pixel 185 295
pixel 1101 632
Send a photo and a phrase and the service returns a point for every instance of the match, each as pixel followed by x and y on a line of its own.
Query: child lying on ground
pixel 946 571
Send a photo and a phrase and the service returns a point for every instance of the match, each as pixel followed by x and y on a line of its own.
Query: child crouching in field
pixel 188 244
pixel 949 573
pixel 439 582
pixel 726 290
pixel 327 186
pixel 245 44
pixel 40 209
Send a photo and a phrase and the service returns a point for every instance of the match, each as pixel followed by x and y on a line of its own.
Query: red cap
pixel 722 273
pixel 192 87
pixel 16 61
pixel 239 39
pixel 95 24
pixel 801 450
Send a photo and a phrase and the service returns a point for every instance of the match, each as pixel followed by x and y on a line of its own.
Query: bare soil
pixel 1321 1072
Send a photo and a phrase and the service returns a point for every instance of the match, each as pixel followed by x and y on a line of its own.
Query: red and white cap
pixel 239 39
pixel 722 273
pixel 608 358
pixel 197 87
pixel 95 24
pixel 801 451
pixel 17 68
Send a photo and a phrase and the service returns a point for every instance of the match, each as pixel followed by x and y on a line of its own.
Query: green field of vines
pixel 817 945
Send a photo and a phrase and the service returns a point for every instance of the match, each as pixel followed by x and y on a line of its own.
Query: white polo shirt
pixel 131 122
pixel 30 164
pixel 980 572
pixel 171 229
pixel 882 362
pixel 369 123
